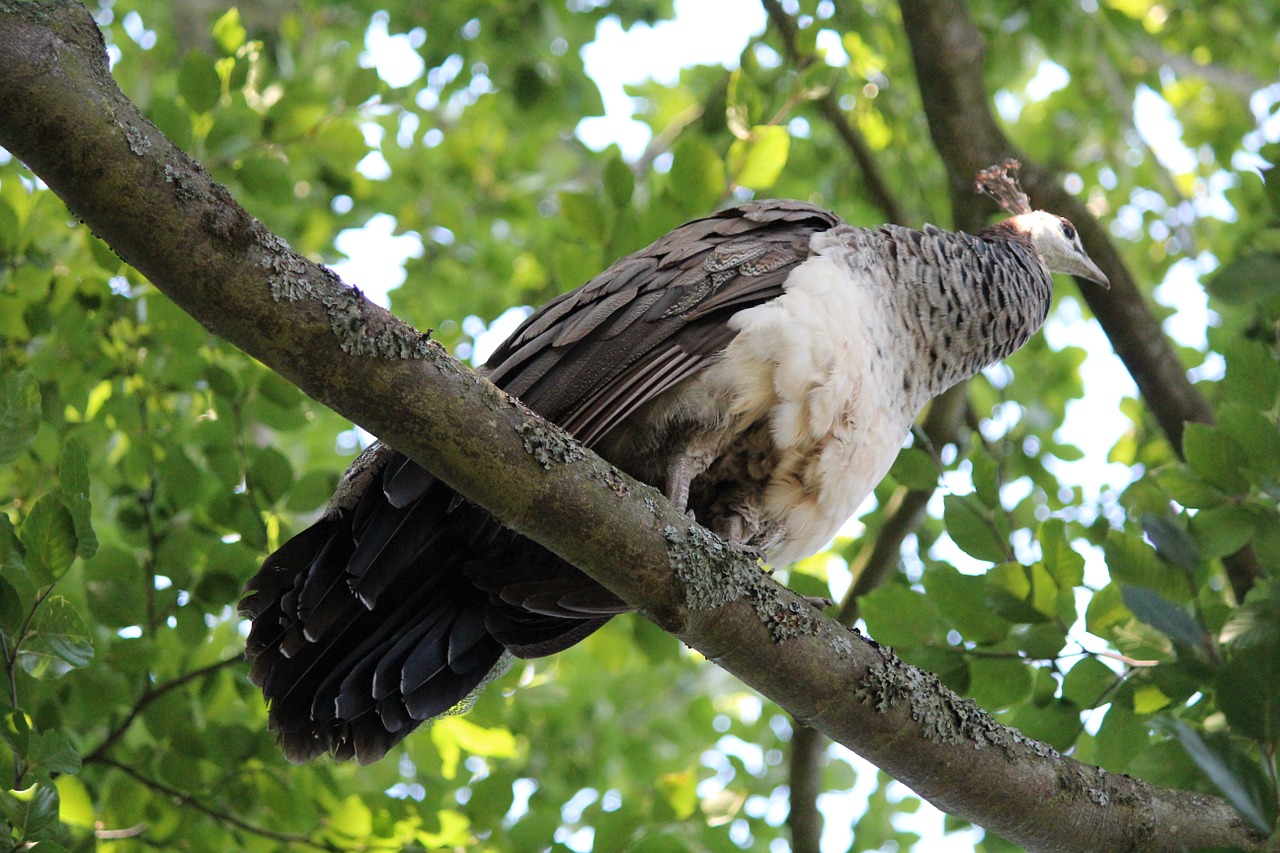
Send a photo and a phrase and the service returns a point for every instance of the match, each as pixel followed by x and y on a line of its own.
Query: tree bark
pixel 66 119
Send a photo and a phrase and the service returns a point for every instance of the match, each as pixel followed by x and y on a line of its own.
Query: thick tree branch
pixel 64 116
pixel 948 51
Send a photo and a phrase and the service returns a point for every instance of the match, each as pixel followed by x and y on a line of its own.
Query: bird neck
pixel 963 302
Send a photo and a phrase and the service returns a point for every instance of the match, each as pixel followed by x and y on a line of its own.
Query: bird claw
pixel 751 550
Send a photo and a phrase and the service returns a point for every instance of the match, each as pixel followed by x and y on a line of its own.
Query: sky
pixel 715 32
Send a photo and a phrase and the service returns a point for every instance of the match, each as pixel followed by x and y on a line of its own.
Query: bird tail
pixel 394 609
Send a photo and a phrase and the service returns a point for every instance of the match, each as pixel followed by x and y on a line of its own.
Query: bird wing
pixel 591 357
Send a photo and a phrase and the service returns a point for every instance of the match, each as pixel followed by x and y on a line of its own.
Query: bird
pixel 762 366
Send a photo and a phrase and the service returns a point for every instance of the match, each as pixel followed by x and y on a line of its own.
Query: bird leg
pixel 679 476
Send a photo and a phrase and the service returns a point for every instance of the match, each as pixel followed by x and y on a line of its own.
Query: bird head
pixel 1058 243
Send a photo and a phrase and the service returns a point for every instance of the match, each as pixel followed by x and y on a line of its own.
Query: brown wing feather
pixel 567 359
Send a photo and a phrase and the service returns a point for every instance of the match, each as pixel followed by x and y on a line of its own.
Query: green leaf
pixel 758 161
pixel 350 819
pixel 339 145
pixel 1131 560
pixel 961 602
pixel 1248 280
pixel 59 629
pixel 1253 374
pixel 574 264
pixel 915 469
pixel 222 382
pixel 198 82
pixel 32 813
pixel 1121 737
pixel 113 586
pixel 583 212
pixel 1223 530
pixel 75 807
pixel 1256 433
pixel 1022 593
pixel 897 616
pixel 1088 681
pixel 619 183
pixel 270 471
pixel 1214 457
pixel 495 742
pixel 454 832
pixel 1063 562
pixel 228 32
pixel 49 537
pixel 19 414
pixel 73 481
pixel 1188 489
pixel 264 177
pixel 54 752
pixel 272 386
pixel 1057 723
pixel 1106 610
pixel 697 174
pixel 1220 773
pixel 986 477
pixel 12 611
pixel 999 683
pixel 1248 691
pixel 680 791
pixel 971 526
pixel 1165 616
pixel 1171 542
pixel 1040 640
pixel 313 489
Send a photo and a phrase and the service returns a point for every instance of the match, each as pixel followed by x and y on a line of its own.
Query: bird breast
pixel 815 382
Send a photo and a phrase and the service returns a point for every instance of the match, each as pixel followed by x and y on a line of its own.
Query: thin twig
pixel 183 798
pixel 20 767
pixel 148 696
pixel 877 187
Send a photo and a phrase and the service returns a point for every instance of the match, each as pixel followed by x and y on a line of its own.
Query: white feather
pixel 836 409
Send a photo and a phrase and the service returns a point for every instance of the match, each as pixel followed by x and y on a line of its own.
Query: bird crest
pixel 1000 182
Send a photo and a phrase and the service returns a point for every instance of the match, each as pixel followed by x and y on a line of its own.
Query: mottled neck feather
pixel 961 302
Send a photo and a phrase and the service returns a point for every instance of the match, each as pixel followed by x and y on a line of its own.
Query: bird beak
pixel 1088 269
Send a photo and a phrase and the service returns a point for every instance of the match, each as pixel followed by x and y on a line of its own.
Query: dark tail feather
pixel 393 610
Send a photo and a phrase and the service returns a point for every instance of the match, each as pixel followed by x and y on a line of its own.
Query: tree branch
pixel 948 50
pixel 804 771
pixel 64 116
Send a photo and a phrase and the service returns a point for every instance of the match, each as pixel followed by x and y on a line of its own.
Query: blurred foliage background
pixel 1068 578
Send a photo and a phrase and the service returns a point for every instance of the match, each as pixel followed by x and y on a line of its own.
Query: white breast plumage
pixel 822 366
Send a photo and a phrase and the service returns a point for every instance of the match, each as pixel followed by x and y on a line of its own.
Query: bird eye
pixel 1068 230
